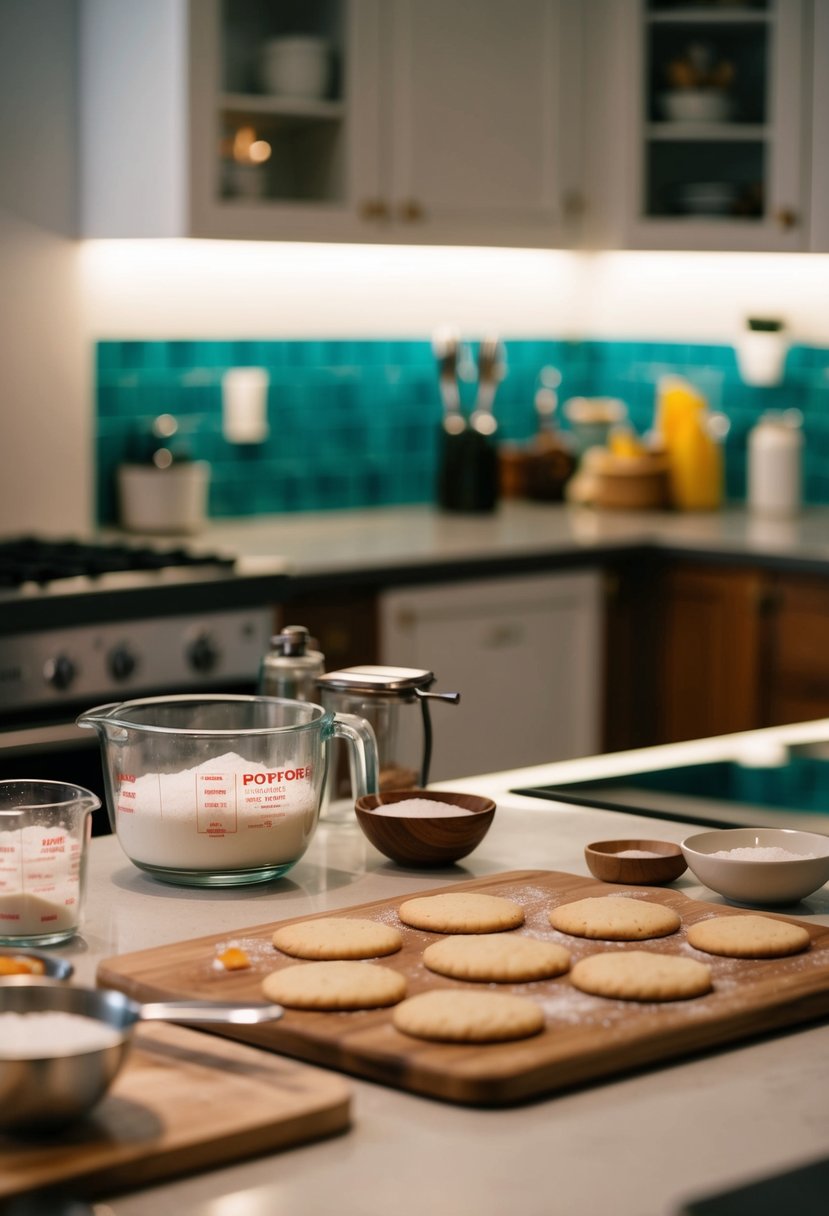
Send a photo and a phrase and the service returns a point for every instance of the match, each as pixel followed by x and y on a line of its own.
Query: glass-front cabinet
pixel 713 102
pixel 279 141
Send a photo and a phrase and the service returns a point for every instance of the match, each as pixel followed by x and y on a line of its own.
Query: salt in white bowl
pixel 754 881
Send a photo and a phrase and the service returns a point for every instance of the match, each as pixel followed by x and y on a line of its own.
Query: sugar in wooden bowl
pixel 640 862
pixel 424 828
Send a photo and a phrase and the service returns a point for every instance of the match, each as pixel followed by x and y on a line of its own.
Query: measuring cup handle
pixel 363 754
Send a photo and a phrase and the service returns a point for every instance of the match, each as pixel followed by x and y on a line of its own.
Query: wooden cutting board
pixel 184 1101
pixel 585 1037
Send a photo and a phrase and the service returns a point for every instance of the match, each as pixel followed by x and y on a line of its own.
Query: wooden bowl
pixel 666 863
pixel 425 840
pixel 632 483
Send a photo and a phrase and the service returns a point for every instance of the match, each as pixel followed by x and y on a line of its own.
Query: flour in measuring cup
pixel 40 881
pixel 225 813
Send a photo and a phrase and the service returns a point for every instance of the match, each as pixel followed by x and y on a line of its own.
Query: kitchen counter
pixel 640 1145
pixel 391 544
pixel 279 556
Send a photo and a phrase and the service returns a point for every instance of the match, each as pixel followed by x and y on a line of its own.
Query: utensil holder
pixel 468 474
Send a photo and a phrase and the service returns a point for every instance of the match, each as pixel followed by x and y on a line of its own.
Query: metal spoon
pixel 447 349
pixel 490 374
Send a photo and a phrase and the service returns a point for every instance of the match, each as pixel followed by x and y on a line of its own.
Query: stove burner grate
pixel 31 559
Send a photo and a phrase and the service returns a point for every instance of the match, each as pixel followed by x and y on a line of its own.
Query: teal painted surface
pixel 356 423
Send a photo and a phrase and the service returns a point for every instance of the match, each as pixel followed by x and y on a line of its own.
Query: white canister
pixel 164 500
pixel 775 460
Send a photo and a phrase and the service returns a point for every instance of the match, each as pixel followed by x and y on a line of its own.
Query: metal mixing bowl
pixel 52 1090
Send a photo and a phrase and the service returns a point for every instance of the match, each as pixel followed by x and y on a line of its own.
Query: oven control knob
pixel 59 672
pixel 121 663
pixel 203 654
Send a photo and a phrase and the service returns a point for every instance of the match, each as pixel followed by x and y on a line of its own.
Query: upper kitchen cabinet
pixel 701 125
pixel 405 121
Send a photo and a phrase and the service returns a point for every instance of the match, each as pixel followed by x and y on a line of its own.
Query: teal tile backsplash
pixel 356 423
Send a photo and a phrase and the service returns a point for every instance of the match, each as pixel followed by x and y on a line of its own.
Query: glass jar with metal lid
pixel 291 666
pixel 395 702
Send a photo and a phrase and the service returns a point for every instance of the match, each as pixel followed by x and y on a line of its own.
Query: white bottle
pixel 775 458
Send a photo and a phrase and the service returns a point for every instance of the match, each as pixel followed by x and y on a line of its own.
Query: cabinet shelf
pixel 707 16
pixel 281 107
pixel 721 132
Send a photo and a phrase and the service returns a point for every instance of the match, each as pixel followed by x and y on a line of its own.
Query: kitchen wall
pixel 59 297
pixel 46 416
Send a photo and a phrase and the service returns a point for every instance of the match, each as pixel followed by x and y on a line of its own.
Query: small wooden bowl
pixel 423 840
pixel 604 862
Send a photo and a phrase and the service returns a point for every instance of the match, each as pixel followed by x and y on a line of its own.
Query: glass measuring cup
pixel 44 829
pixel 211 790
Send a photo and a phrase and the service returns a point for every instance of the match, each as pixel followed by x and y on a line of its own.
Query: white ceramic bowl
pixel 696 105
pixel 750 881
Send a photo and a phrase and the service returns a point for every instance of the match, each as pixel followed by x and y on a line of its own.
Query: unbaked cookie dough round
pixel 338 937
pixel 461 912
pixel 615 918
pixel 451 1015
pixel 496 958
pixel 748 936
pixel 640 975
pixel 335 986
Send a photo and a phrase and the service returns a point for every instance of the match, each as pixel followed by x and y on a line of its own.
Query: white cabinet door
pixel 475 134
pixel 734 177
pixel 820 142
pixel 525 655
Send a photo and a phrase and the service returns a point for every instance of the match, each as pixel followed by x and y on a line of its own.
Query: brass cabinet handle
pixel 786 218
pixel 505 633
pixel 374 209
pixel 573 204
pixel 410 211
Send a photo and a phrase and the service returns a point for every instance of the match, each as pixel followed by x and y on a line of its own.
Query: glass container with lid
pixel 395 701
pixel 291 666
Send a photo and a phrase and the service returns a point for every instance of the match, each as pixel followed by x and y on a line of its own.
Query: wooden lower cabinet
pixel 795 657
pixel 708 661
pixel 343 622
pixel 737 649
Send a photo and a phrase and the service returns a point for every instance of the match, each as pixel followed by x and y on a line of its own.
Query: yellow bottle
pixel 694 456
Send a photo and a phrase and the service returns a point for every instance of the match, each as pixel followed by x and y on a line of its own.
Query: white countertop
pixel 638 1146
pixel 351 541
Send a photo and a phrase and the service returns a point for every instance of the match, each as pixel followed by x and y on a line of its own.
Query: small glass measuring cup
pixel 212 790
pixel 44 829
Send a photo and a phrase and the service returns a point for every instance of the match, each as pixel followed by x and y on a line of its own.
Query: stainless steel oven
pixel 86 623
